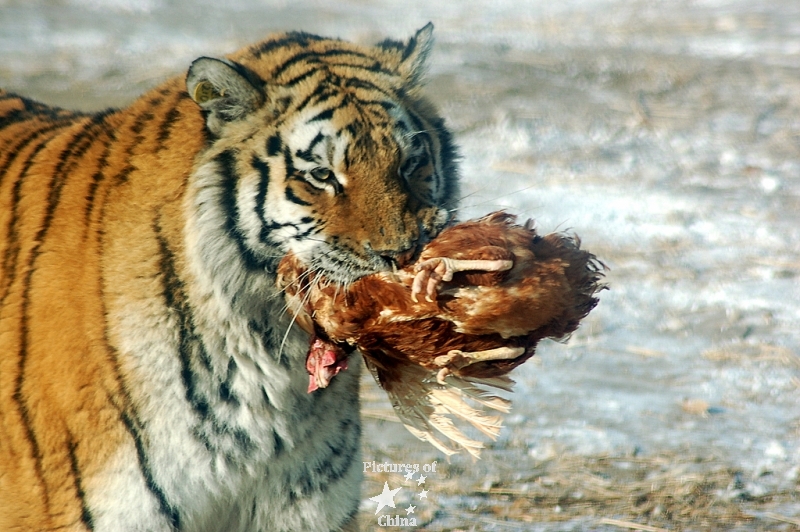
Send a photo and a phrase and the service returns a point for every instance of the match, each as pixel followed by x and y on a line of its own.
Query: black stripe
pixel 300 235
pixel 30 435
pixel 300 38
pixel 265 396
pixel 288 163
pixel 412 164
pixel 165 128
pixel 316 140
pixel 144 118
pixel 383 104
pixel 300 77
pixel 241 437
pixel 358 83
pixel 226 162
pixel 278 441
pixel 274 226
pixel 170 512
pixel 261 198
pixel 274 145
pixel 97 178
pixel 346 160
pixel 306 154
pixel 352 128
pixel 324 115
pixel 375 68
pixel 173 292
pixel 290 195
pixel 86 514
pixel 226 387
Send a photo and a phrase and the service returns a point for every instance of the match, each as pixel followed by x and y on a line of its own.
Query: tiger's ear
pixel 226 90
pixel 413 63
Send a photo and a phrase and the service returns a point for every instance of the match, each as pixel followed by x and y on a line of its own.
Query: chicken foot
pixel 431 273
pixel 457 359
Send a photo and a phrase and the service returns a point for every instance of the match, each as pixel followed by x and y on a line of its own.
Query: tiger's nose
pixel 406 256
pixel 401 258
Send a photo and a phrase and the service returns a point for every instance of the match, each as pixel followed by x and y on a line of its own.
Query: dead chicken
pixel 474 305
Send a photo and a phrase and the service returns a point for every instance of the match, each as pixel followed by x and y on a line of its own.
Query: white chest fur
pixel 228 437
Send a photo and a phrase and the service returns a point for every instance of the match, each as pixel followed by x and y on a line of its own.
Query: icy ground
pixel 665 134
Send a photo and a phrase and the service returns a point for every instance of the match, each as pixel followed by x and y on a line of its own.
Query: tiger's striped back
pixel 150 378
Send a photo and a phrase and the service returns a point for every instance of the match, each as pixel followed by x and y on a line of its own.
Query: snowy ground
pixel 666 134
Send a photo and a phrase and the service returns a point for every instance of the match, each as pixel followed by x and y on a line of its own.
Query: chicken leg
pixel 431 273
pixel 457 359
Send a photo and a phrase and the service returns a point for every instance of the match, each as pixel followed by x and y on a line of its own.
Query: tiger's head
pixel 324 148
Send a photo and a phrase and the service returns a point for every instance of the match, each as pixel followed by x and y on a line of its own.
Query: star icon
pixel 423 495
pixel 386 498
pixel 420 480
pixel 410 509
pixel 410 475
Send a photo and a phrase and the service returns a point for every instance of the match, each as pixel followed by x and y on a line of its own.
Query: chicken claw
pixel 457 359
pixel 431 273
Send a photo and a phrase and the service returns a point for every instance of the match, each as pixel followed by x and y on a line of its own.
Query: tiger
pixel 150 376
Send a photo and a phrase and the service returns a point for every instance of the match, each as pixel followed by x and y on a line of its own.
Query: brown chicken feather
pixel 468 331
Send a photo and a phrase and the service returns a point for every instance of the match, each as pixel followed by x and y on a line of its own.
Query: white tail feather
pixel 428 409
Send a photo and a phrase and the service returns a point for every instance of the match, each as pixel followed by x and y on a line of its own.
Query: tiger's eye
pixel 410 164
pixel 323 174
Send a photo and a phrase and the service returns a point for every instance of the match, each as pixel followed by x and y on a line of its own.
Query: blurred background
pixel 665 133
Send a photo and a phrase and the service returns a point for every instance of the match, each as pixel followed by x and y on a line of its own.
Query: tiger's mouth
pixel 344 267
pixel 343 262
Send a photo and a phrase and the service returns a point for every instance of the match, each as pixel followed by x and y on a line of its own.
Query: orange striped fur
pixel 150 378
